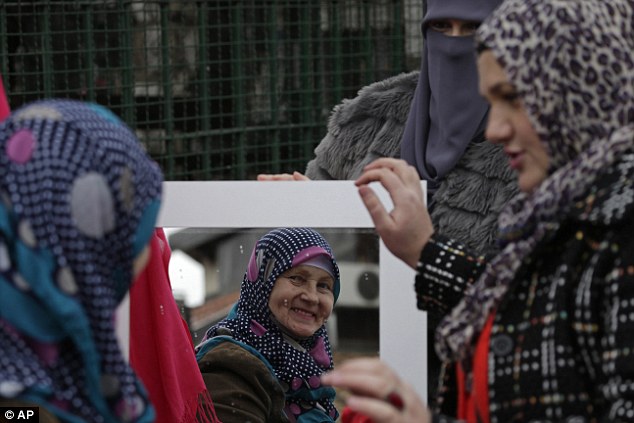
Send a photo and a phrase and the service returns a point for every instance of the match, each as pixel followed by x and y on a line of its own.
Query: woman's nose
pixel 499 129
pixel 309 293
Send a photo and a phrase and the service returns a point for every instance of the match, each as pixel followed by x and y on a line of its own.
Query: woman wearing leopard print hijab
pixel 545 330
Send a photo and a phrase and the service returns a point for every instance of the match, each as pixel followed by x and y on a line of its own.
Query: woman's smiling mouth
pixel 306 315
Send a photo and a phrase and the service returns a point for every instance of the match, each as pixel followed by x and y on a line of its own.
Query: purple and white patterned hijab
pixel 571 62
pixel 297 364
pixel 79 199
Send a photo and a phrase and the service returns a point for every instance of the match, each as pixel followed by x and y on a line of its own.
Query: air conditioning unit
pixel 359 285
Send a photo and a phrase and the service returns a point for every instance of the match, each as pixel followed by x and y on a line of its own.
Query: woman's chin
pixel 302 330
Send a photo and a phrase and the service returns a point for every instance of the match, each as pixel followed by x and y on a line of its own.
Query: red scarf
pixel 4 103
pixel 161 348
pixel 349 416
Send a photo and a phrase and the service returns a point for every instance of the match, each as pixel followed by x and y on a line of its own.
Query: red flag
pixel 161 348
pixel 4 103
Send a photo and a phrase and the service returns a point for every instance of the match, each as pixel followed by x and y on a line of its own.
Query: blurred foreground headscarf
pixel 447 111
pixel 79 199
pixel 571 62
pixel 298 363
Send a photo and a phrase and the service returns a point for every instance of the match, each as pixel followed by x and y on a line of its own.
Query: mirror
pixel 232 206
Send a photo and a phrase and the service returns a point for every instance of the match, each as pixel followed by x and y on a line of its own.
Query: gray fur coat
pixel 369 126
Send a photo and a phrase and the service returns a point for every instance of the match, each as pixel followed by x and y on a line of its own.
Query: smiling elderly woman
pixel 262 363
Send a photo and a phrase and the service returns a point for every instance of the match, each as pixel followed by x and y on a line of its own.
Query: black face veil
pixel 447 111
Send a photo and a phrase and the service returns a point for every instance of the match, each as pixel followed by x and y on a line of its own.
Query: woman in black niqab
pixel 447 112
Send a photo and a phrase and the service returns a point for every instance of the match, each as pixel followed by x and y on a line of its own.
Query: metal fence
pixel 214 89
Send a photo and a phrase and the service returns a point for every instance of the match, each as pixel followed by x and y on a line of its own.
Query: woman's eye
pixel 297 279
pixel 470 28
pixel 325 286
pixel 511 97
pixel 440 26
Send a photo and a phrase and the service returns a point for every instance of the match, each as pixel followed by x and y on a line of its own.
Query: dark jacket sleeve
pixel 445 269
pixel 242 387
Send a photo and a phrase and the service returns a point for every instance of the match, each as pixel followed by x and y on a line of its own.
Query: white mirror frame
pixel 316 204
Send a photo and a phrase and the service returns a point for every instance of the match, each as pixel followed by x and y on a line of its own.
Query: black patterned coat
pixel 562 342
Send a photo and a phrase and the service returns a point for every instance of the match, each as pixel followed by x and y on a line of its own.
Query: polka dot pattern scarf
pixel 251 323
pixel 78 201
pixel 571 62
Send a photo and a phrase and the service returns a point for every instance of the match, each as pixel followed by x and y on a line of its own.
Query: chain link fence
pixel 214 89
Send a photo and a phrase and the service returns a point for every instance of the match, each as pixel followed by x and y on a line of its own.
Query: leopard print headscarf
pixel 571 62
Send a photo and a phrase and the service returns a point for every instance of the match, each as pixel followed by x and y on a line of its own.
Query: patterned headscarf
pixel 571 62
pixel 297 367
pixel 78 201
pixel 446 112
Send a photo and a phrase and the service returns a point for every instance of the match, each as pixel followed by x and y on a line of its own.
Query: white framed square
pixel 316 204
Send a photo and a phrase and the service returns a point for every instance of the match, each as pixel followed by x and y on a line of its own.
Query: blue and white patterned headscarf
pixel 297 367
pixel 79 199
pixel 571 62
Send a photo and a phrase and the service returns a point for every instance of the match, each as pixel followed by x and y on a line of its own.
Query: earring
pixel 285 302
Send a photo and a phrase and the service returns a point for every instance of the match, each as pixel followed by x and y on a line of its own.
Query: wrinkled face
pixel 510 126
pixel 302 299
pixel 453 27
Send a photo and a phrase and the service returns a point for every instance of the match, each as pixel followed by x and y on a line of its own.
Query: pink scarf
pixel 161 348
